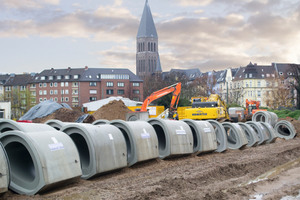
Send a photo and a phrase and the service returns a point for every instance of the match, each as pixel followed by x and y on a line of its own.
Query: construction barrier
pixel 141 140
pixel 265 116
pixel 270 131
pixel 250 134
pixel 40 160
pixel 260 131
pixel 174 137
pixel 101 148
pixel 204 136
pixel 8 125
pixel 57 124
pixel 100 122
pixel 221 135
pixel 285 129
pixel 4 171
pixel 236 137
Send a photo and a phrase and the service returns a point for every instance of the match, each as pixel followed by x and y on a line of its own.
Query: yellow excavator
pixel 212 107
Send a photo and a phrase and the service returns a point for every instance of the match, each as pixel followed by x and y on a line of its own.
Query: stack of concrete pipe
pixel 4 171
pixel 39 156
pixel 42 155
pixel 265 116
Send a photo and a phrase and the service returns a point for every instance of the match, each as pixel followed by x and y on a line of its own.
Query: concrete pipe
pixel 4 171
pixel 141 140
pixel 250 134
pixel 8 125
pixel 220 134
pixel 260 131
pixel 270 131
pixel 100 122
pixel 174 137
pixel 265 116
pixel 285 129
pixel 57 124
pixel 40 161
pixel 204 136
pixel 236 136
pixel 101 148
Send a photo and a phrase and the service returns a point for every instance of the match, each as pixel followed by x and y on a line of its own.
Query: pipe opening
pixel 127 140
pixel 231 138
pixel 283 130
pixel 82 148
pixel 194 137
pixel 162 141
pixel 256 130
pixel 21 163
pixel 6 129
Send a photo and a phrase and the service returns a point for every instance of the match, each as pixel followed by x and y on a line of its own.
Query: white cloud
pixel 31 4
pixel 194 2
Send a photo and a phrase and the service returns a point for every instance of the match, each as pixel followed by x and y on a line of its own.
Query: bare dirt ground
pixel 234 174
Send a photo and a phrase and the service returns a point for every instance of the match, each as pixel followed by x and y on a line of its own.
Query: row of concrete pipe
pixel 36 157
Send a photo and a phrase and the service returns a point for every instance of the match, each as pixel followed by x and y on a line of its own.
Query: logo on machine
pixel 198 113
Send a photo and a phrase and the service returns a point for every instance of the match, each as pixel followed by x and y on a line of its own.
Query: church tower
pixel 147 57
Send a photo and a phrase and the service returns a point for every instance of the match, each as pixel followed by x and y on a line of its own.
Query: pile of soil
pixel 296 124
pixel 64 115
pixel 113 110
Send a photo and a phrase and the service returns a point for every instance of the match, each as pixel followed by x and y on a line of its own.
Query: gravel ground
pixel 228 175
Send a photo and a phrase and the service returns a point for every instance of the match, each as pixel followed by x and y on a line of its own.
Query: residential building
pixel 147 56
pixel 76 86
pixel 3 79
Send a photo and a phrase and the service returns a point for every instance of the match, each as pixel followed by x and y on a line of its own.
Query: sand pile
pixel 112 110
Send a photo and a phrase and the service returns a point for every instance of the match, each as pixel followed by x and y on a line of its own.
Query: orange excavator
pixel 251 108
pixel 142 114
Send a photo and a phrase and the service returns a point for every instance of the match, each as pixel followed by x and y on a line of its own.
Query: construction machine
pixel 143 114
pixel 204 108
pixel 251 108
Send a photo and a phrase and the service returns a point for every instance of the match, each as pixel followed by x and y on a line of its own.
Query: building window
pixel 55 84
pixel 136 91
pixel 75 99
pixel 40 85
pixel 50 77
pixel 75 84
pixel 93 91
pixel 76 76
pixel 93 83
pixel 93 98
pixel 258 84
pixel 62 84
pixel 61 99
pixel 109 91
pixel 44 84
pixel 45 92
pixel 55 91
pixel 136 99
pixel 32 85
pixel 8 88
pixel 135 84
pixel 40 99
pixel 22 88
pixel 51 92
pixel 33 93
pixel 121 84
pixel 43 78
pixel 66 91
pixel 67 76
pixel 121 92
pixel 114 76
pixel 51 84
pixel 66 84
pixel 250 75
pixel 109 84
pixel 58 77
pixel 258 93
pixel 67 99
pixel 74 91
pixel 41 92
pixel 55 99
pixel 62 92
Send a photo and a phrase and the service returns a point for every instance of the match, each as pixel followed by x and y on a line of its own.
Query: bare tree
pixel 296 82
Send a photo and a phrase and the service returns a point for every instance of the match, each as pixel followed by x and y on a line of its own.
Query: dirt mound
pixel 64 115
pixel 113 110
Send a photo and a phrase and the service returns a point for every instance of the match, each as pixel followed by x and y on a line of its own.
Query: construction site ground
pixel 228 175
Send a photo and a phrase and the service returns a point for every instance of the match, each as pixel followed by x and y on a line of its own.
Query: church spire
pixel 147 27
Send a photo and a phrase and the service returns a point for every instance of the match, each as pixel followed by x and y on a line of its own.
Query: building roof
pixel 147 27
pixel 284 69
pixel 3 78
pixel 192 74
pixel 19 79
pixel 254 71
pixel 84 74
pixel 158 65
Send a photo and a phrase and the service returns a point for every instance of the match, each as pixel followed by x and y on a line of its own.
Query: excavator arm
pixel 176 89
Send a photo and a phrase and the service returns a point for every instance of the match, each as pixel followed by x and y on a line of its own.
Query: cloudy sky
pixel 205 34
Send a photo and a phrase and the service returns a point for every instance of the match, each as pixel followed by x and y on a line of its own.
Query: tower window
pixel 154 47
pixel 151 46
pixel 148 46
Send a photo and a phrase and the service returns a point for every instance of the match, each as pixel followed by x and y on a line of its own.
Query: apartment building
pixel 76 86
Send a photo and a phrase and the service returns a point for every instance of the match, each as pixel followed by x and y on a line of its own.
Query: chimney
pixel 86 67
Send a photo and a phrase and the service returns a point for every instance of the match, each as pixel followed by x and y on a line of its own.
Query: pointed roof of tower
pixel 158 65
pixel 147 27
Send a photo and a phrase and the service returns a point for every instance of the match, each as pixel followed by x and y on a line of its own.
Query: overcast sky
pixel 204 34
